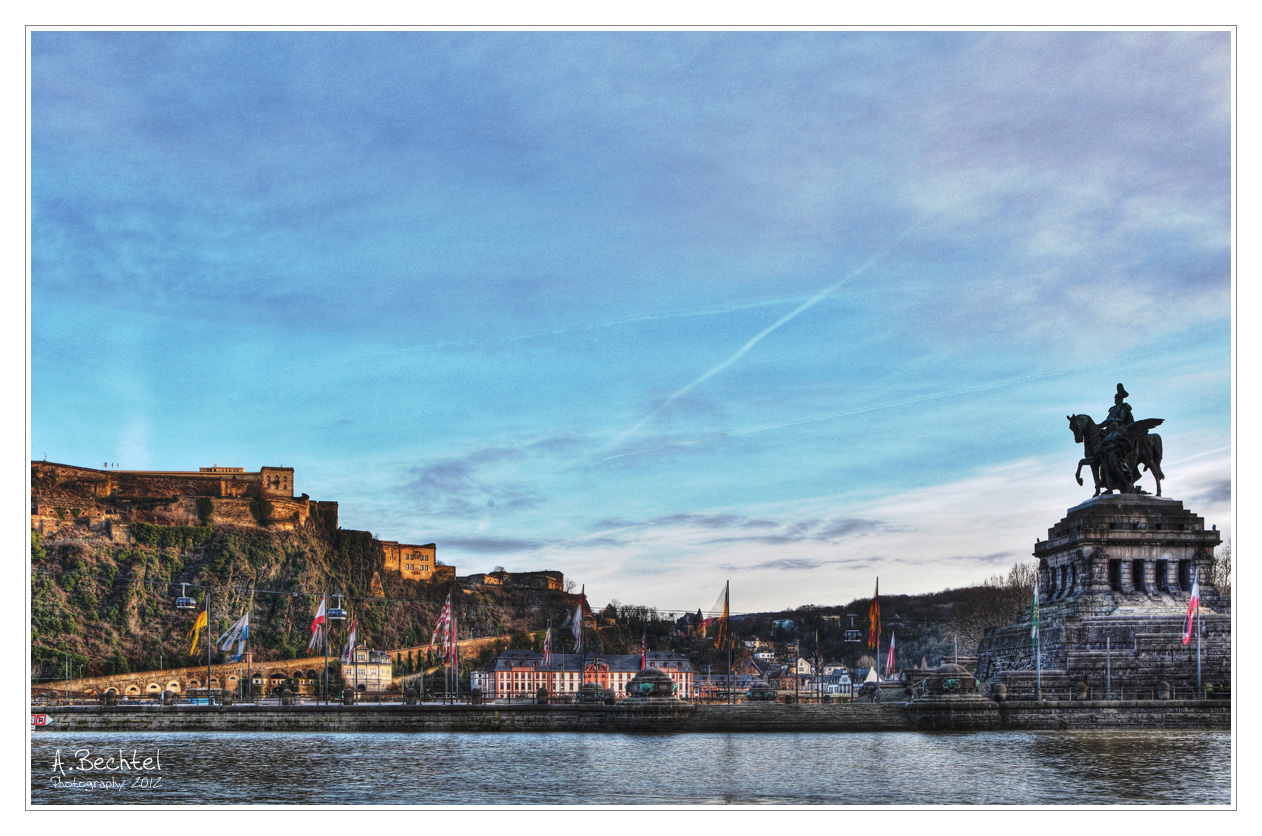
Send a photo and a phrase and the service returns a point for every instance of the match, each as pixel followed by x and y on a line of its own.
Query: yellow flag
pixel 198 625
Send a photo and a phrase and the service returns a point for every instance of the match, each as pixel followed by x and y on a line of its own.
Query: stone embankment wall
pixel 1117 714
pixel 773 717
pixel 388 718
pixel 629 717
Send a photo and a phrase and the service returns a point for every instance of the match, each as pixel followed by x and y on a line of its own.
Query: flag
pixel 889 660
pixel 348 654
pixel 547 647
pixel 443 627
pixel 576 627
pixel 238 634
pixel 1193 604
pixel 874 617
pixel 198 626
pixel 644 650
pixel 317 628
pixel 1034 615
pixel 720 624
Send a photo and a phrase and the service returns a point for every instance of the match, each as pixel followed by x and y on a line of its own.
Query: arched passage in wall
pixel 133 690
pixel 174 686
pixel 153 688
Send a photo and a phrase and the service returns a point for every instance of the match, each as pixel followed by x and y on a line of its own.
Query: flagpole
pixel 324 628
pixel 582 645
pixel 208 702
pixel 727 625
pixel 1038 655
pixel 249 653
pixel 876 662
pixel 1200 691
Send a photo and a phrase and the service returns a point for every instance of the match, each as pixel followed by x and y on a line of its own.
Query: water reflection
pixel 559 768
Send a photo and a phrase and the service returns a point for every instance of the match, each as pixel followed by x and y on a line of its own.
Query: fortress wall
pixel 159 485
pixel 328 513
pixel 50 480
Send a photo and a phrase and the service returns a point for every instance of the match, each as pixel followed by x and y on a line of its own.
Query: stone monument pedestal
pixel 1115 577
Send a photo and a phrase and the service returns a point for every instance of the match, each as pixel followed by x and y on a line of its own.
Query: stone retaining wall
pixel 1117 714
pixel 773 717
pixel 666 717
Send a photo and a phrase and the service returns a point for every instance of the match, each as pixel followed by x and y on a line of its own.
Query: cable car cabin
pixel 184 602
pixel 853 636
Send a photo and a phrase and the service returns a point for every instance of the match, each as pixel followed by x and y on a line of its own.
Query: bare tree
pixel 999 601
pixel 1222 569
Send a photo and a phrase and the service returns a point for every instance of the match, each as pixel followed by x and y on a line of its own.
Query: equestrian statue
pixel 1116 448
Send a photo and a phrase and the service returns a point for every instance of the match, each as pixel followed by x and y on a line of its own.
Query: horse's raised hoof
pixel 1079 478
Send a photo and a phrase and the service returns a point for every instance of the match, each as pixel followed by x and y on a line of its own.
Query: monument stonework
pixel 1115 577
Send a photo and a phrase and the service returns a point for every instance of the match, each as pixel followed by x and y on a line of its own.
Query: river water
pixel 931 768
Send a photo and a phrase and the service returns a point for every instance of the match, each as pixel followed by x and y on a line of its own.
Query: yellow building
pixel 371 671
pixel 414 563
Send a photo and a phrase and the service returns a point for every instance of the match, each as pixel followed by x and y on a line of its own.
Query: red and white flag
pixel 443 627
pixel 889 660
pixel 317 628
pixel 1193 603
pixel 547 647
pixel 644 651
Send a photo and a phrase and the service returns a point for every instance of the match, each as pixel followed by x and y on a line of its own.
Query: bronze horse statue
pixel 1144 449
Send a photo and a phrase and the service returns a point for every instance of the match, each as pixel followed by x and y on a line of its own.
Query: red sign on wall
pixel 38 720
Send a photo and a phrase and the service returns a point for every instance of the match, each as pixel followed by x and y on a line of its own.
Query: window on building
pixel 1115 575
pixel 1137 576
pixel 1163 576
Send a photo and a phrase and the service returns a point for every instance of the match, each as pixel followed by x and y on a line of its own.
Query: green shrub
pixel 177 536
pixel 205 508
pixel 260 509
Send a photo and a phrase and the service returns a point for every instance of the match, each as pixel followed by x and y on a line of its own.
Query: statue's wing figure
pixel 1142 427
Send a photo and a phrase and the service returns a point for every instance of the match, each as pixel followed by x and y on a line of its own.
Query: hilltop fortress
pixel 66 498
pixel 63 494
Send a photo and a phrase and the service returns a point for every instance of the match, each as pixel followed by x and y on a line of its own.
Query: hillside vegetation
pixel 110 608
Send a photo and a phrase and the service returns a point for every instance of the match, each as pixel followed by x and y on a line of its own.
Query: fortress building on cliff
pixel 65 497
pixel 63 494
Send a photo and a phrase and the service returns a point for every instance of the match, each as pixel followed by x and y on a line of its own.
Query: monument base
pixel 1115 578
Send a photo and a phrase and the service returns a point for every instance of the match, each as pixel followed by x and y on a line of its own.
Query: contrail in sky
pixel 922 398
pixel 743 350
pixel 1198 455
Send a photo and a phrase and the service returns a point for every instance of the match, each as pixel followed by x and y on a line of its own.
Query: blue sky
pixel 655 309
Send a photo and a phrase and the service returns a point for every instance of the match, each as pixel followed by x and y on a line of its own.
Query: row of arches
pixel 263 682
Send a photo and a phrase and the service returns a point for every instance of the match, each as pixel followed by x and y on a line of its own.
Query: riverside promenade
pixel 667 716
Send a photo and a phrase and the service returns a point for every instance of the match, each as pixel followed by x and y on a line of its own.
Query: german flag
pixel 874 617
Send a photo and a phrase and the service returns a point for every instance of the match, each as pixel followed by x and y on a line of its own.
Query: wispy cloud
pixel 491 545
pixel 467 486
pixel 743 350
